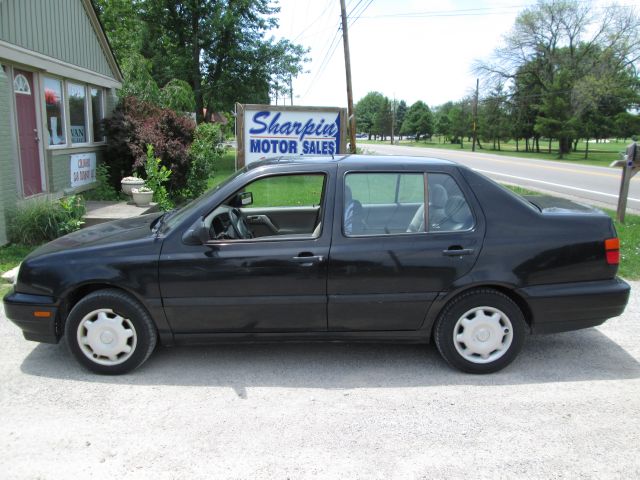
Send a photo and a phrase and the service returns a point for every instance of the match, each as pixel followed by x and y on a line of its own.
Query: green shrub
pixel 205 151
pixel 133 125
pixel 41 221
pixel 104 190
pixel 157 176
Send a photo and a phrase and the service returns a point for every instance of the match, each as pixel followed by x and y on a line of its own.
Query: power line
pixel 466 12
pixel 324 11
pixel 333 45
pixel 359 14
pixel 353 9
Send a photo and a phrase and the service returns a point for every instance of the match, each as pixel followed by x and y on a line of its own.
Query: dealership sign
pixel 266 131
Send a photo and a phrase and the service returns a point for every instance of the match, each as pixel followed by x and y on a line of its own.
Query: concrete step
pixel 100 212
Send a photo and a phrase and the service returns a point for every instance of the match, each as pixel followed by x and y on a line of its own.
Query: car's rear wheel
pixel 480 331
pixel 110 332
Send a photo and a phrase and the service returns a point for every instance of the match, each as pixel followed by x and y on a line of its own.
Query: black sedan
pixel 351 248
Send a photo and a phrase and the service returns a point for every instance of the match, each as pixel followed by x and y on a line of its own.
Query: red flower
pixel 50 96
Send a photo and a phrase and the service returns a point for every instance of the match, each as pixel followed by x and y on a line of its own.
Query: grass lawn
pixel 600 154
pixel 224 168
pixel 11 256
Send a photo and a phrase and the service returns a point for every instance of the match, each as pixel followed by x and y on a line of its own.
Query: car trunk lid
pixel 554 205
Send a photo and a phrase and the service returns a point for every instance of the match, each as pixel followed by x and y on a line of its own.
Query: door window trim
pixel 275 238
pixel 426 204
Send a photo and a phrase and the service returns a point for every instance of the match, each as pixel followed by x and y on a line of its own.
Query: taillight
pixel 612 250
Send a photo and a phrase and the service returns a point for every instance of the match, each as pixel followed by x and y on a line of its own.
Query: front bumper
pixel 572 306
pixel 21 309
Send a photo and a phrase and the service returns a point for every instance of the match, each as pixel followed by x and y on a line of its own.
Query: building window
pixel 97 114
pixel 21 85
pixel 78 112
pixel 54 110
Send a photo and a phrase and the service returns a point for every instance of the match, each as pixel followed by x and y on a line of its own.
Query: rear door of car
pixel 385 277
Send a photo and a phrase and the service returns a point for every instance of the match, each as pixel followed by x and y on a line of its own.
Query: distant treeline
pixel 565 72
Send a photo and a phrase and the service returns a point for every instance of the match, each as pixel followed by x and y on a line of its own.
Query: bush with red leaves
pixel 135 124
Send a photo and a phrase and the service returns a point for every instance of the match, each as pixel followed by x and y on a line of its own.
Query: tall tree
pixel 554 44
pixel 418 121
pixel 123 25
pixel 401 112
pixel 366 110
pixel 220 48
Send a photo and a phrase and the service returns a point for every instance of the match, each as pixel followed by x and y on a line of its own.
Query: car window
pixel 277 207
pixel 448 207
pixel 287 191
pixel 383 203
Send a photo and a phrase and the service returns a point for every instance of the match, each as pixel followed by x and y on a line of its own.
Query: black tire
pixel 483 301
pixel 134 316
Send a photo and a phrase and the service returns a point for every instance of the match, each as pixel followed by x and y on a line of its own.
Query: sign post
pixel 630 166
pixel 265 131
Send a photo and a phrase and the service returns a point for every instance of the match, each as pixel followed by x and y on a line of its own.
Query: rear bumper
pixel 20 308
pixel 572 306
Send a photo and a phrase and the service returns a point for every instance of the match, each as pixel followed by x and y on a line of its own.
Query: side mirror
pixel 197 234
pixel 243 199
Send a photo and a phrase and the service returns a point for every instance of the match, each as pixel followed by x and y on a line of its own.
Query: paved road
pixel 568 407
pixel 598 185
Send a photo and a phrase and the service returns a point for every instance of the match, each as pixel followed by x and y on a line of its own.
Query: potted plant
pixel 128 183
pixel 142 196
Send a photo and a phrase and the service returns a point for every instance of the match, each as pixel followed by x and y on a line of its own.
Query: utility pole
pixel 475 116
pixel 347 63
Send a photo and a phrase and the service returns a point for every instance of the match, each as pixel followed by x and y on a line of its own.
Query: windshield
pixel 176 217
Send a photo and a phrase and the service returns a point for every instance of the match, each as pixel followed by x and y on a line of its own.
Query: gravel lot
pixel 569 407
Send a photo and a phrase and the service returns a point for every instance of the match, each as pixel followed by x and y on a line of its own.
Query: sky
pixel 408 49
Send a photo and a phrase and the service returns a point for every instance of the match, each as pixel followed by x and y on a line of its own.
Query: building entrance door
pixel 28 137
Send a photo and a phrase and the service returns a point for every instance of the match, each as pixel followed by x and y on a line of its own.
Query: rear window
pixel 383 203
pixel 448 208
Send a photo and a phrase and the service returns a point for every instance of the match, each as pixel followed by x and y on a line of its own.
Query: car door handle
pixel 457 251
pixel 308 260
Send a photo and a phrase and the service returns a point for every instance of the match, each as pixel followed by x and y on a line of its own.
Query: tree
pixel 555 45
pixel 460 121
pixel 138 81
pixel 219 48
pixel 366 110
pixel 442 123
pixel 401 112
pixel 492 118
pixel 178 96
pixel 123 25
pixel 418 121
pixel 383 118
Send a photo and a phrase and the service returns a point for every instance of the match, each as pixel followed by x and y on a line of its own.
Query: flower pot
pixel 141 199
pixel 130 183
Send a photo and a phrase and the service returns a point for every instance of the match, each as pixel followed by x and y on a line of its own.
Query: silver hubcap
pixel 106 337
pixel 483 335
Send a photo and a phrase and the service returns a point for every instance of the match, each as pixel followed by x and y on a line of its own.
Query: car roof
pixel 351 160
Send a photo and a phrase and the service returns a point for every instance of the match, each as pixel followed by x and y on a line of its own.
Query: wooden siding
pixel 59 29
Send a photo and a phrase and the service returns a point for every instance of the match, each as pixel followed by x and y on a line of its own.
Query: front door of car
pixel 269 283
pixel 391 256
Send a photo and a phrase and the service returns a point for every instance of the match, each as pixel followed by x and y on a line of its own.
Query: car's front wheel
pixel 110 332
pixel 480 331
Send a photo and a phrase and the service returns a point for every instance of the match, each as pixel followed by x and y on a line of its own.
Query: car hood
pixel 550 205
pixel 116 231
